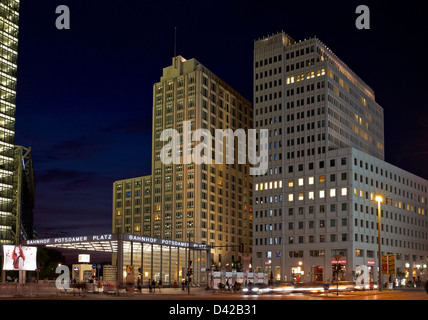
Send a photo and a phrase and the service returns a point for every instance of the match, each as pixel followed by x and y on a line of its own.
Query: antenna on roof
pixel 175 46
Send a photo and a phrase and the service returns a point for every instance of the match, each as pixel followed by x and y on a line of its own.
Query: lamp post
pixel 379 199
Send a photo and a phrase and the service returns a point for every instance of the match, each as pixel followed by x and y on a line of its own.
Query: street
pixel 206 304
pixel 413 294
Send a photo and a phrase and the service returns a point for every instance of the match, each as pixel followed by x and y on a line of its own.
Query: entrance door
pixel 317 274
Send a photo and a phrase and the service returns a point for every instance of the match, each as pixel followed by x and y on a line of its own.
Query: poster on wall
pixel 19 258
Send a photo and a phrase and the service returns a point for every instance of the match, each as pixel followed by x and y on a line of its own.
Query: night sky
pixel 84 96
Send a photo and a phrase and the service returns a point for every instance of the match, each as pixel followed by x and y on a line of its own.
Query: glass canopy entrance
pixel 151 258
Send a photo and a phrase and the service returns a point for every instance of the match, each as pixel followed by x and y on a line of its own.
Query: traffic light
pixel 337 267
pixel 189 272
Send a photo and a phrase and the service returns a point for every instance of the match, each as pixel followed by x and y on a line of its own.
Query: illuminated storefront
pixel 317 274
pixel 297 273
pixel 141 257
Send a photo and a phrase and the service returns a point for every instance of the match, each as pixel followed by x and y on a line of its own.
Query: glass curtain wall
pixel 9 17
pixel 162 262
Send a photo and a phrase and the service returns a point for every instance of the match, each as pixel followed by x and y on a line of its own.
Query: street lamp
pixel 379 199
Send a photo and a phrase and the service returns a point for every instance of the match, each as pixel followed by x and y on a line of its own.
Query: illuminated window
pixel 311 180
pixel 301 197
pixel 290 197
pixel 311 195
pixel 322 194
pixel 280 183
pixel 290 183
pixel 300 181
pixel 270 185
pixel 344 191
pixel 332 192
pixel 322 179
pixel 257 187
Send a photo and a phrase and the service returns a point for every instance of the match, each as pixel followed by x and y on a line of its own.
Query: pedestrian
pixel 160 284
pixel 154 285
pixel 235 286
pixel 139 285
pixel 227 284
pixel 175 284
pixel 150 285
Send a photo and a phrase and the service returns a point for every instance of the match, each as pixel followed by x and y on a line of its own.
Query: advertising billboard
pixel 19 258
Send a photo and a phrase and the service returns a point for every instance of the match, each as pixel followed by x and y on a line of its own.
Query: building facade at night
pixel 326 166
pixel 139 257
pixel 9 18
pixel 132 203
pixel 210 202
pixel 24 195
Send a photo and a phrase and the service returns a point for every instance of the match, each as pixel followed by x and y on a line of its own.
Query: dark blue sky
pixel 84 95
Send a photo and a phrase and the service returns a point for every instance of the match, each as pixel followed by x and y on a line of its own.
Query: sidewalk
pixel 163 291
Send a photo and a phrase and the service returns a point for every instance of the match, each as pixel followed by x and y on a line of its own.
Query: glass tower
pixel 9 16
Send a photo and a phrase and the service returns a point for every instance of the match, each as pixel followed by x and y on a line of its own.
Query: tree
pixel 47 261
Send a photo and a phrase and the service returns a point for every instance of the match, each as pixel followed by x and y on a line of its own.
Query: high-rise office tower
pixel 9 16
pixel 326 166
pixel 211 202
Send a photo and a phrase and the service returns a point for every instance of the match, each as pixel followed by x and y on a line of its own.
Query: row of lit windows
pixel 321 194
pixel 268 185
pixel 388 201
pixel 309 75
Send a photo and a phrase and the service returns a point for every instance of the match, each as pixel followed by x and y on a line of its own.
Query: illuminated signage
pixel 19 258
pixel 341 261
pixel 98 237
pixel 85 258
pixel 111 237
pixel 166 242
